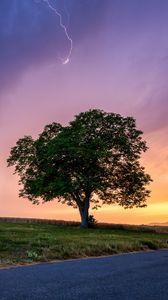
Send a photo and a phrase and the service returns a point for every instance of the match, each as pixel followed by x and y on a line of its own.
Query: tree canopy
pixel 95 160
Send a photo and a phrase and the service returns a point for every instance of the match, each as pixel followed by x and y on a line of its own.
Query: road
pixel 136 276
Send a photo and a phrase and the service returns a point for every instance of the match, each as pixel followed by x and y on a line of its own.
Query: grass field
pixel 26 243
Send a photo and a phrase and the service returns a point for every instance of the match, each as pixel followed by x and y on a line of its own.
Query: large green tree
pixel 92 161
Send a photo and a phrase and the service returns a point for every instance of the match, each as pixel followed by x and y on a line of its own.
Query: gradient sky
pixel 119 63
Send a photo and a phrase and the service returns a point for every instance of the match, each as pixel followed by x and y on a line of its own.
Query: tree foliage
pixel 94 160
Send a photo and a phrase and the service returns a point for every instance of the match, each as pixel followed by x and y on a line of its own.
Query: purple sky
pixel 119 63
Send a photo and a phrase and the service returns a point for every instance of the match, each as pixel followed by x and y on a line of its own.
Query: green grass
pixel 26 243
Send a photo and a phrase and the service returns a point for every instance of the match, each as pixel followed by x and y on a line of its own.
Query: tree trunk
pixel 84 212
pixel 84 220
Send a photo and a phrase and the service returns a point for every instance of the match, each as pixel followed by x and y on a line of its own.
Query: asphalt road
pixel 136 276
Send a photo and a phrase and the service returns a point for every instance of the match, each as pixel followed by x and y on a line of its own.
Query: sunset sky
pixel 118 63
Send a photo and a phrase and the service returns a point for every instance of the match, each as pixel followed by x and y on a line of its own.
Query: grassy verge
pixel 26 243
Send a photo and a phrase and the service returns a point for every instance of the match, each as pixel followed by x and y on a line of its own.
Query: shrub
pixel 92 221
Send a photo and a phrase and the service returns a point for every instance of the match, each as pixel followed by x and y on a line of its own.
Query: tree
pixel 92 161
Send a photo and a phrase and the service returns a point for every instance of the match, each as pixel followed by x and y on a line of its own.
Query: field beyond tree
pixel 27 243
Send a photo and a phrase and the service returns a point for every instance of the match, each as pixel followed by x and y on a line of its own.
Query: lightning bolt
pixel 64 27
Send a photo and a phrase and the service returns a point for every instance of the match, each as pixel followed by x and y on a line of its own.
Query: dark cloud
pixel 154 109
pixel 30 33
